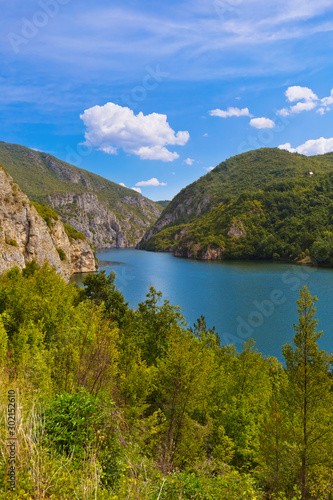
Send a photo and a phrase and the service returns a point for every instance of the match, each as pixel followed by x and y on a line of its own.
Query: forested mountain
pixel 260 205
pixel 108 214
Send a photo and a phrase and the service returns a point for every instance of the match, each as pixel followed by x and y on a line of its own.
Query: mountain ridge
pixel 110 215
pixel 283 213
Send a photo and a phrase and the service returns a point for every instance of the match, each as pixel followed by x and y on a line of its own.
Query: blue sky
pixel 152 96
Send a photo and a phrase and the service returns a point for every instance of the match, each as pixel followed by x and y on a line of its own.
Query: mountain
pixel 259 205
pixel 245 172
pixel 108 214
pixel 25 234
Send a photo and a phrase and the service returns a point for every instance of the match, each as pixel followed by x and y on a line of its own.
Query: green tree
pixel 309 393
pixel 101 288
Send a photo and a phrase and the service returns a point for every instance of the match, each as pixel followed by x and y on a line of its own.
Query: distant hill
pixel 108 214
pixel 163 203
pixel 259 205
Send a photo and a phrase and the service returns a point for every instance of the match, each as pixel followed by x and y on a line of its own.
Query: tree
pixel 101 288
pixel 309 393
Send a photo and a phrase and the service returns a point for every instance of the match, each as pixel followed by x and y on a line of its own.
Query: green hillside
pixel 249 171
pixel 288 219
pixel 39 173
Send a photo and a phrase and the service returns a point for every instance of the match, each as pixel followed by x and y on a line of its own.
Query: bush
pixel 73 234
pixel 62 254
pixel 46 213
pixel 11 242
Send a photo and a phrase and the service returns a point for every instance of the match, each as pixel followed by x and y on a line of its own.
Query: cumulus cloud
pixel 307 100
pixel 208 168
pixel 122 184
pixel 262 123
pixel 189 161
pixel 325 104
pixel 230 112
pixel 311 147
pixel 112 127
pixel 287 147
pixel 138 190
pixel 297 93
pixel 151 182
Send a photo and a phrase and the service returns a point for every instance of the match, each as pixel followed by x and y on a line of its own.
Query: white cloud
pixel 156 153
pixel 138 190
pixel 297 93
pixel 122 184
pixel 311 147
pixel 151 182
pixel 287 147
pixel 327 101
pixel 208 168
pixel 262 123
pixel 230 112
pixel 308 100
pixel 111 127
pixel 205 135
pixel 189 161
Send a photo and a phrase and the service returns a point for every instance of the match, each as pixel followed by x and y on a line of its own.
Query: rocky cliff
pixel 25 235
pixel 108 214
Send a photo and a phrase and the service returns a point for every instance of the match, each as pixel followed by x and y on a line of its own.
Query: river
pixel 241 299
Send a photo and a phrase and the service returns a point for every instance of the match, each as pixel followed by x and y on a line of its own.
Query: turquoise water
pixel 241 299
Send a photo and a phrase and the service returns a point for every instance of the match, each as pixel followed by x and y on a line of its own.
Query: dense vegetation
pixel 115 403
pixel 243 174
pixel 163 203
pixel 285 220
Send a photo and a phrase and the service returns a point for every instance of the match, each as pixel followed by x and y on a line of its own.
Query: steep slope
pixel 109 215
pixel 25 235
pixel 291 220
pixel 246 172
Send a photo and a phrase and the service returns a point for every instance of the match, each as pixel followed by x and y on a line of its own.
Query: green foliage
pixel 11 242
pixel 116 403
pixel 102 289
pixel 309 394
pixel 71 422
pixel 163 203
pixel 238 176
pixel 289 220
pixel 46 213
pixel 73 234
pixel 61 254
pixel 3 343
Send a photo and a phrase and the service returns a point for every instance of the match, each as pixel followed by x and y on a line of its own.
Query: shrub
pixel 46 213
pixel 62 254
pixel 74 234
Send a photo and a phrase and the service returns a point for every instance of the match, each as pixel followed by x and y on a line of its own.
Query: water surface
pixel 241 299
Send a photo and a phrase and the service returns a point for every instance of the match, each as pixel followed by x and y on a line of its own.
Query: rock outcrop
pixel 101 226
pixel 24 236
pixel 110 215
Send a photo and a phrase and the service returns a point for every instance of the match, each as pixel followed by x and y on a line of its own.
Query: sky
pixel 153 96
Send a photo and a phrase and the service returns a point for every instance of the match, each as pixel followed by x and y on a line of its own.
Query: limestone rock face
pixel 101 226
pixel 109 214
pixel 24 236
